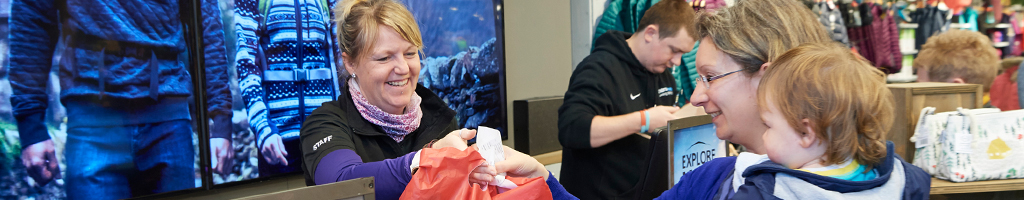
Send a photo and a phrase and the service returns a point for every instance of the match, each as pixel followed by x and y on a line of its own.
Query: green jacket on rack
pixel 624 15
pixel 686 75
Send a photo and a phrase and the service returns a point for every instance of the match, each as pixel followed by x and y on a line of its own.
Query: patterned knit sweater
pixel 280 107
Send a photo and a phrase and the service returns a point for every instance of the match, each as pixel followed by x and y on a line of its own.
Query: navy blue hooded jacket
pixel 896 179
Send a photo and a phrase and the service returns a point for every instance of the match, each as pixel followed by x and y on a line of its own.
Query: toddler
pixel 827 112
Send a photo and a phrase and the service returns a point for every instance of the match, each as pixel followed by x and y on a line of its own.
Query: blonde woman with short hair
pixel 383 117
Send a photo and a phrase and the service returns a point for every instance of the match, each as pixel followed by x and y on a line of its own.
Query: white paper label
pixel 963 142
pixel 923 137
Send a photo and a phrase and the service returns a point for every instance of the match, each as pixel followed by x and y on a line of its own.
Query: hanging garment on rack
pixel 850 13
pixel 1017 40
pixel 815 7
pixel 831 17
pixel 713 5
pixel 865 14
pixel 621 15
pixel 1008 36
pixel 686 75
pixel 930 21
pixel 878 41
pixel 891 58
pixel 900 9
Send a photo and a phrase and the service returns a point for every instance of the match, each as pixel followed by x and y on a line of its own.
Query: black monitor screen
pixel 692 147
pixel 465 59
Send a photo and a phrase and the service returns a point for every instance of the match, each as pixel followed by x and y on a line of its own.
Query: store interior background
pixel 544 40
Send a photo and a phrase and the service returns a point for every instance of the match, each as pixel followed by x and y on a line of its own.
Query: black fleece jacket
pixel 608 82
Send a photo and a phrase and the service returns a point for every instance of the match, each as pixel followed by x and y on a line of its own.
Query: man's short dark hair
pixel 670 16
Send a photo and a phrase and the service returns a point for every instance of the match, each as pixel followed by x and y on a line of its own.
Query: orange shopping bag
pixel 444 174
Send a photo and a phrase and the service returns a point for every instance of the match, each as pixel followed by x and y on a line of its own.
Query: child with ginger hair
pixel 827 112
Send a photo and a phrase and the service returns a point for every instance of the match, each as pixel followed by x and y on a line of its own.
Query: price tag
pixel 923 133
pixel 923 138
pixel 963 142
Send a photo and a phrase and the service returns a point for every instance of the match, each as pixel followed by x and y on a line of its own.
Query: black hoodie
pixel 608 82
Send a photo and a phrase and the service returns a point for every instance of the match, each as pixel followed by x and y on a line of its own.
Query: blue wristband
pixel 647 124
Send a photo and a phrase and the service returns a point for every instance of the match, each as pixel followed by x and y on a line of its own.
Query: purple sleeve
pixel 557 191
pixel 390 176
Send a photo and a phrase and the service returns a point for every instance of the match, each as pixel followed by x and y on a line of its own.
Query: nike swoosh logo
pixel 633 97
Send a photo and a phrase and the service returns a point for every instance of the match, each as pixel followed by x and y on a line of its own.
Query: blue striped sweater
pixel 280 107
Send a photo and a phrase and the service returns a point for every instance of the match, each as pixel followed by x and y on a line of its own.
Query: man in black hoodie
pixel 620 90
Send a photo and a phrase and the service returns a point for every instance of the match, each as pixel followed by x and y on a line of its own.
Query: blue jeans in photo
pixel 116 162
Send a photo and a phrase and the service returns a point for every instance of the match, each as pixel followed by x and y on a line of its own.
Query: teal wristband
pixel 647 124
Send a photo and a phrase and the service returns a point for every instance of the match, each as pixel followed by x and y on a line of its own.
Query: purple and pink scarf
pixel 395 126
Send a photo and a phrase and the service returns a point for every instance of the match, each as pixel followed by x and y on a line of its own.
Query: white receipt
pixel 488 141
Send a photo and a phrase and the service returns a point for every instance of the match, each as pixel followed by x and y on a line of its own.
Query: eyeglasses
pixel 707 80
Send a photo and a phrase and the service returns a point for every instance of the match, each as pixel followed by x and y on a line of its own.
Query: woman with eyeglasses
pixel 738 45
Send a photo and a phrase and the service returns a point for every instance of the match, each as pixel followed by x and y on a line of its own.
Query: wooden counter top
pixel 549 158
pixel 940 186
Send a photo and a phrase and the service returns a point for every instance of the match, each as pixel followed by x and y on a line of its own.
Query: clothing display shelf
pixel 906 46
pixel 996 25
pixel 959 25
pixel 1001 44
pixel 907 25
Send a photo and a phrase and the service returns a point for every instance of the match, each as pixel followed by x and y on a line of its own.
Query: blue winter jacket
pixel 703 182
pixel 897 180
pixel 108 50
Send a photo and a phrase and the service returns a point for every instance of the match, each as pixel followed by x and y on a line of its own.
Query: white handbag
pixel 929 127
pixel 970 145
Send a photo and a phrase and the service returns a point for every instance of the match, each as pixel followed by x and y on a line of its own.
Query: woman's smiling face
pixel 731 100
pixel 388 74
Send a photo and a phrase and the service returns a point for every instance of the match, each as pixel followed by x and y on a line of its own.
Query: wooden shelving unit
pixel 997 25
pixel 958 26
pixel 907 25
pixel 940 186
